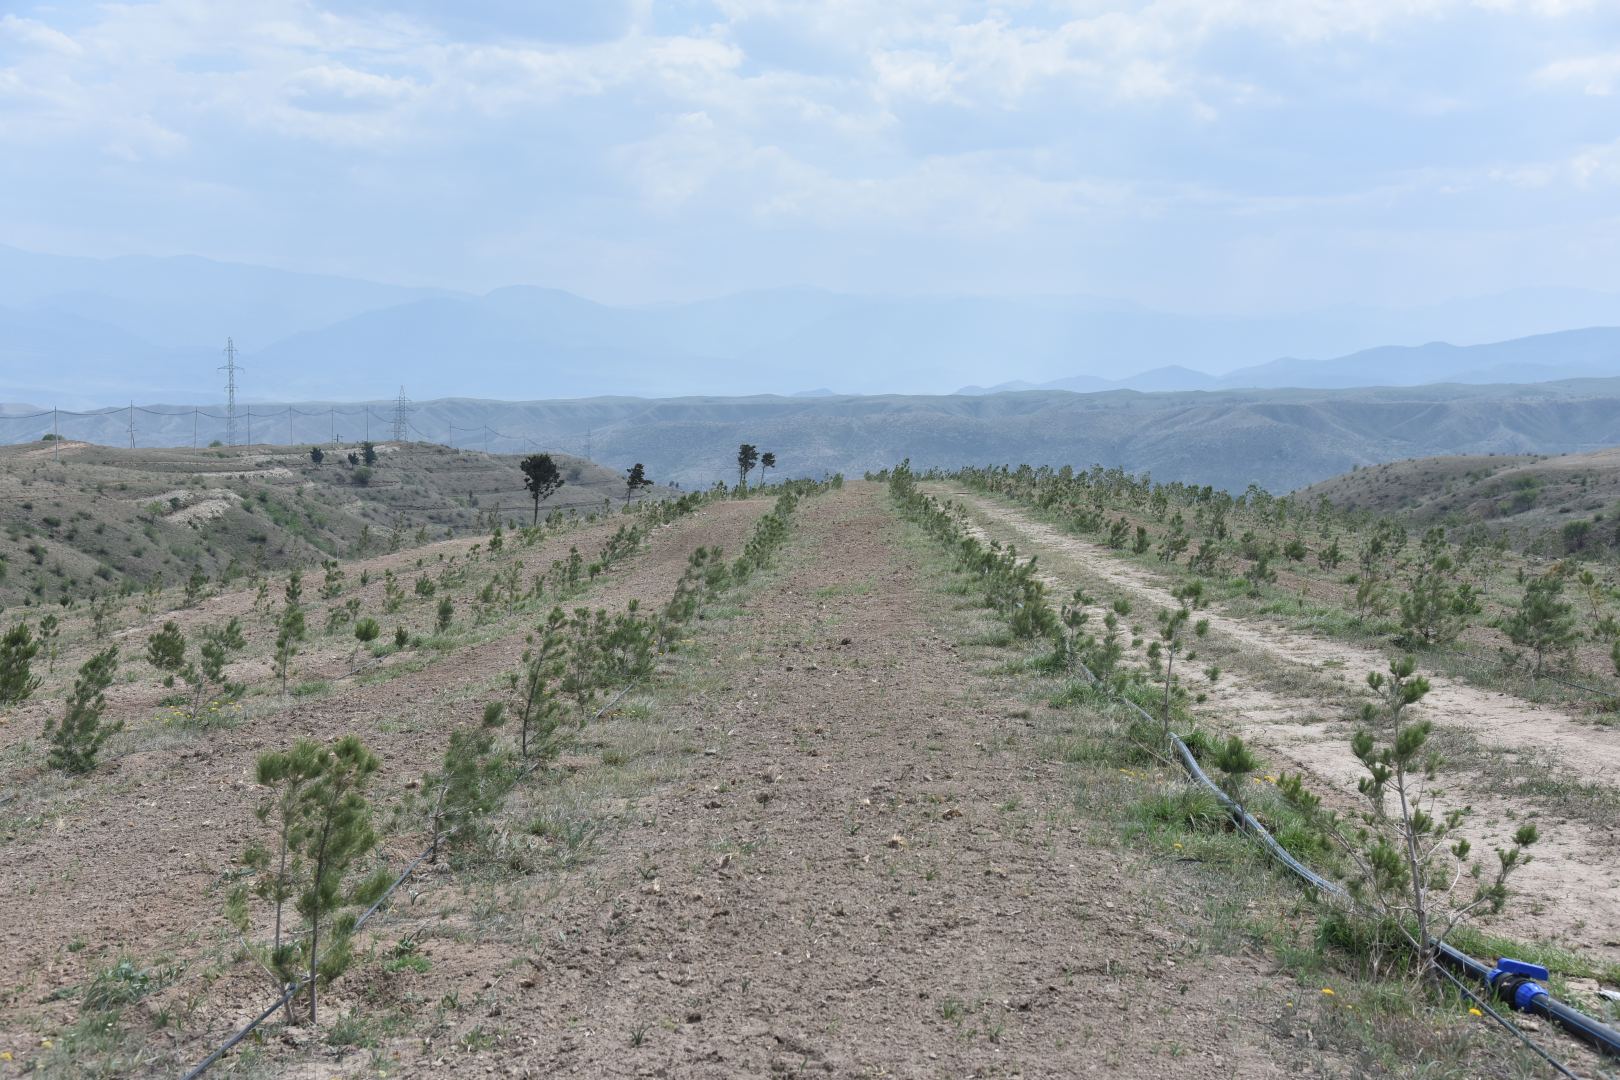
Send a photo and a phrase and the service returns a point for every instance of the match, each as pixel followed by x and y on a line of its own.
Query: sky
pixel 1195 155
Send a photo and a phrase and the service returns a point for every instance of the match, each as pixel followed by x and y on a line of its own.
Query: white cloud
pixel 37 34
pixel 1595 75
pixel 1023 120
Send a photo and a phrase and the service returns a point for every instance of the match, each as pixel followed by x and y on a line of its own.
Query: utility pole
pixel 587 444
pixel 290 439
pixel 194 427
pixel 56 434
pixel 331 423
pixel 132 425
pixel 230 369
pixel 402 409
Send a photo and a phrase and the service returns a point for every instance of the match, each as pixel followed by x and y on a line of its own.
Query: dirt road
pixel 1572 887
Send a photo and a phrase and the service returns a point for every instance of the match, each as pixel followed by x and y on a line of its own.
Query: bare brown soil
pixel 1572 887
pixel 867 872
pixel 857 866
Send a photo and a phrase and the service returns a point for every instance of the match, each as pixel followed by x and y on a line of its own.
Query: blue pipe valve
pixel 1518 982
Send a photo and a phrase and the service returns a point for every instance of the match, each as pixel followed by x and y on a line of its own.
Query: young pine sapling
pixel 78 737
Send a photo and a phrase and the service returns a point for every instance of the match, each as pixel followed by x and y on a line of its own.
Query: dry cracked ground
pixel 832 837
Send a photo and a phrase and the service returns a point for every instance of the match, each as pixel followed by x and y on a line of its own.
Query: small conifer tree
pixel 471 786
pixel 17 651
pixel 334 832
pixel 1405 861
pixel 540 707
pixel 290 629
pixel 50 632
pixel 166 651
pixel 1172 641
pixel 77 739
pixel 285 775
pixel 366 631
pixel 1543 621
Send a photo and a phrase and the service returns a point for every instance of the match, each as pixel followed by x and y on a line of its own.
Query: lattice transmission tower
pixel 230 369
pixel 402 412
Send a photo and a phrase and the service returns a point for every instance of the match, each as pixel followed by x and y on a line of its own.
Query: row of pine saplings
pixel 297 898
pixel 76 739
pixel 317 815
pixel 1425 594
pixel 1412 876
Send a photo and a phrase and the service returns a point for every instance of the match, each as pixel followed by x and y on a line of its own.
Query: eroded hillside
pixel 1553 504
pixel 79 520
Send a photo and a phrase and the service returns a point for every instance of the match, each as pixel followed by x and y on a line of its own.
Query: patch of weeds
pixel 125 983
pixel 351 1029
pixel 405 957
pixel 570 828
pixel 1184 807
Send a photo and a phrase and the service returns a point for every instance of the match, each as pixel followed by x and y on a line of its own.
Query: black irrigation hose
pixel 1537 1001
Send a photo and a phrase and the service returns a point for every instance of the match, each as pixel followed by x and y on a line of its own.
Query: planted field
pixel 714 786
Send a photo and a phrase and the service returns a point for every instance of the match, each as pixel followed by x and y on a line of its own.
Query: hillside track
pixel 869 871
pixel 1572 885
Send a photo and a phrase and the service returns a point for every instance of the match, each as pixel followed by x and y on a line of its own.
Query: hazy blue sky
pixel 1197 154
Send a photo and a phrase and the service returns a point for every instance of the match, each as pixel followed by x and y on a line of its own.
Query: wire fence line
pixel 278 425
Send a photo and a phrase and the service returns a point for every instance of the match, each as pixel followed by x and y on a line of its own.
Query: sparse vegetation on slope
pixel 1554 506
pixel 77 521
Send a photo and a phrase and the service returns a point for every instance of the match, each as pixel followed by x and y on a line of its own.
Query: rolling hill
pixel 1279 439
pixel 74 514
pixel 1556 504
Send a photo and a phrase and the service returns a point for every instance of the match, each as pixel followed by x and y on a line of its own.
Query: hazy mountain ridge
pixel 85 332
pixel 1280 439
pixel 1590 352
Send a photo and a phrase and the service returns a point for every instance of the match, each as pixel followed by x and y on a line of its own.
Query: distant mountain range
pixel 1280 439
pixel 80 332
pixel 1591 353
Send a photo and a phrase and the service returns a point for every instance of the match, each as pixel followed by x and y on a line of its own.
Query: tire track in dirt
pixel 1570 887
pixel 135 860
pixel 869 874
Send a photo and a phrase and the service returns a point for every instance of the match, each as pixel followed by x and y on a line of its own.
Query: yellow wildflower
pixel 1328 990
pixel 1474 1012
